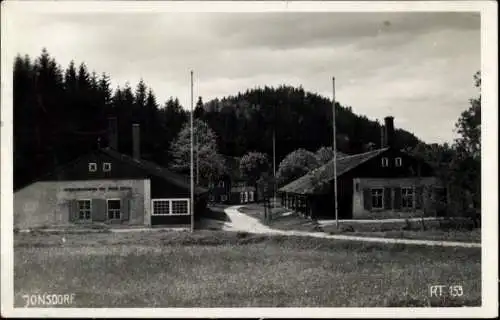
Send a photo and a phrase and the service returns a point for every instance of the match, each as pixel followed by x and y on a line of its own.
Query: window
pixel 114 209
pixel 166 207
pixel 242 197
pixel 407 198
pixel 399 162
pixel 223 198
pixel 221 184
pixel 84 209
pixel 106 167
pixel 92 167
pixel 250 196
pixel 179 207
pixel 245 196
pixel 385 162
pixel 211 185
pixel 161 208
pixel 357 186
pixel 377 198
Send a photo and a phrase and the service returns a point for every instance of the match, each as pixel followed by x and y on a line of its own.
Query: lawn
pixel 228 269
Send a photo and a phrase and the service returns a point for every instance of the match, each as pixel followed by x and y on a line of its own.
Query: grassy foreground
pixel 227 269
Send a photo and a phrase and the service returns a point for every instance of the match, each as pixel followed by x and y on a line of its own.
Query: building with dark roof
pixel 231 187
pixel 105 186
pixel 381 183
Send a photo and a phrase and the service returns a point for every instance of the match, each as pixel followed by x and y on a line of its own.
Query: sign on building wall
pixel 97 189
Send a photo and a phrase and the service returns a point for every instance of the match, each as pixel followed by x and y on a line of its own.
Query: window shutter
pixel 418 197
pixel 397 198
pixel 387 198
pixel 73 210
pixel 367 199
pixel 98 210
pixel 125 210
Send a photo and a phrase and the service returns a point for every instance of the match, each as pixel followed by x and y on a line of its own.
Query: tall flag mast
pixel 335 157
pixel 192 157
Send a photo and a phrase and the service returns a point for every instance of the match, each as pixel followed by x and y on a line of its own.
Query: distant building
pixel 230 187
pixel 380 183
pixel 108 187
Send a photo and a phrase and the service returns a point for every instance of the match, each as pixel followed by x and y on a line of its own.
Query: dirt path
pixel 246 223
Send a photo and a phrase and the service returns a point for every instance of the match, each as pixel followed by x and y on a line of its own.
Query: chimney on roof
pixel 136 141
pixel 113 133
pixel 389 132
pixel 382 136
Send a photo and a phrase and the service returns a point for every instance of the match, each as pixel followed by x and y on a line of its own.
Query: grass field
pixel 434 230
pixel 228 269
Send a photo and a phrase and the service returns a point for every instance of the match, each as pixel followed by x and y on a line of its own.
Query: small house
pixel 231 187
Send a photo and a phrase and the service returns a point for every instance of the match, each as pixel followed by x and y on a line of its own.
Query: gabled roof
pixel 316 180
pixel 154 169
pixel 148 167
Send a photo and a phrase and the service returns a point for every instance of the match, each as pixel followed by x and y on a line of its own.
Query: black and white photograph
pixel 223 157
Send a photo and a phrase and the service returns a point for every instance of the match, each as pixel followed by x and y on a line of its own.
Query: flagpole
pixel 274 167
pixel 335 157
pixel 192 157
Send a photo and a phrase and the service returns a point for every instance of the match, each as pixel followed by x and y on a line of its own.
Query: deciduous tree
pixel 210 162
pixel 295 165
pixel 253 165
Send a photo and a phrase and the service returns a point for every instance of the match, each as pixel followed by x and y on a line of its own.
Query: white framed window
pixel 84 209
pixel 250 196
pixel 399 161
pixel 106 166
pixel 179 207
pixel 170 207
pixel 385 162
pixel 114 208
pixel 245 197
pixel 377 198
pixel 407 198
pixel 92 167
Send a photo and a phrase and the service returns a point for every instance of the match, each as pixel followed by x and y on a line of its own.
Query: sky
pixel 415 66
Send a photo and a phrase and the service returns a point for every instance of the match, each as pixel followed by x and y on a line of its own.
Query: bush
pixel 407 225
pixel 318 228
pixel 347 229
pixel 457 224
pixel 241 234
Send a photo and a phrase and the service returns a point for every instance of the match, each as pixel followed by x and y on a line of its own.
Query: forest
pixel 61 113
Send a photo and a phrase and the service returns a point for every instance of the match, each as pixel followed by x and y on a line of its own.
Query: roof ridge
pixel 150 166
pixel 324 171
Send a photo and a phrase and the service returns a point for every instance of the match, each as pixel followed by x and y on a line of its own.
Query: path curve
pixel 245 223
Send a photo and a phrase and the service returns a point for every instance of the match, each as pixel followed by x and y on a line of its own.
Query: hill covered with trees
pixel 297 118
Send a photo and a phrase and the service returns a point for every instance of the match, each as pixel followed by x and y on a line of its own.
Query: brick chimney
pixel 136 141
pixel 113 133
pixel 389 132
